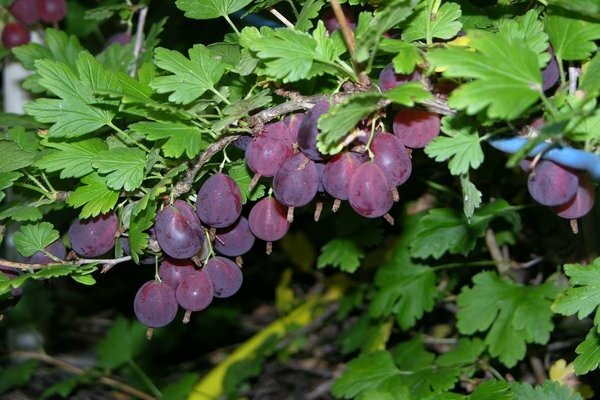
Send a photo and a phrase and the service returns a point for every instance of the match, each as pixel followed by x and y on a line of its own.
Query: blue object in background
pixel 567 156
pixel 256 20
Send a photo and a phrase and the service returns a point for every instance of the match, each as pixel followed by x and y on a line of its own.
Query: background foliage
pixel 475 293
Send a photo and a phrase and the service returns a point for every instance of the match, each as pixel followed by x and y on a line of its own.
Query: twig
pixel 281 17
pixel 76 263
pixel 78 371
pixel 344 27
pixel 296 102
pixel 501 264
pixel 538 369
pixel 185 185
pixel 139 39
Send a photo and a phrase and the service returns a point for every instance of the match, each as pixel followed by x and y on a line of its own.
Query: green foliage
pixel 190 77
pixel 122 344
pixel 571 38
pixel 428 23
pixel 406 290
pixel 17 375
pixel 513 315
pixel 130 129
pixel 342 253
pixel 209 9
pixel 503 65
pixel 341 118
pixel 33 238
pixel 94 195
pixel 444 230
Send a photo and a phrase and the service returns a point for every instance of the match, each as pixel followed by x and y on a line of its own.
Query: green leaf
pixel 180 137
pixel 138 225
pixel 73 159
pixel 6 181
pixel 407 57
pixel 425 377
pixel 583 297
pixel 32 238
pixel 462 149
pixel 124 166
pixel 341 118
pixel 209 9
pixel 17 375
pixel 590 80
pixel 103 13
pixel 588 358
pixel 60 47
pixel 514 314
pixel 310 10
pixel 344 254
pixel 588 8
pixel 466 351
pixel 240 173
pixel 181 389
pixel 27 140
pixel 412 355
pixel 529 29
pixel 87 280
pixel 549 390
pixel 13 157
pixel 95 197
pixel 190 78
pixel 572 38
pixel 386 18
pixel 490 389
pixel 121 344
pixel 471 196
pixel 440 231
pixel 366 335
pixel 505 73
pixel 79 111
pixel 291 55
pixel 408 94
pixel 364 373
pixel 426 25
pixel 405 290
pixel 21 212
pixel 64 388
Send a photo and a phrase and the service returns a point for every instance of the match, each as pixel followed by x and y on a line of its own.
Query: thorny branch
pixel 296 102
pixel 76 263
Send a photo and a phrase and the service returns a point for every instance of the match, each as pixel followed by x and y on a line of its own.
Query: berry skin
pixel 25 11
pixel 15 34
pixel 52 10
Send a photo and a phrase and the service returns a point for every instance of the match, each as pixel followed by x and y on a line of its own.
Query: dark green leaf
pixel 504 66
pixel 32 238
pixel 209 9
pixel 344 254
pixel 335 125
pixel 514 314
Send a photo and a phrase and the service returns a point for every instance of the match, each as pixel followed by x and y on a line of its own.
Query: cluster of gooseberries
pixel 28 13
pixel 570 194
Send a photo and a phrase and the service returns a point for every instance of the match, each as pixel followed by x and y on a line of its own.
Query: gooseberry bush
pixel 403 131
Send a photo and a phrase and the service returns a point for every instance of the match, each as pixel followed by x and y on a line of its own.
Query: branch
pixel 296 102
pixel 139 39
pixel 281 17
pixel 344 27
pixel 185 185
pixel 113 383
pixel 76 263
